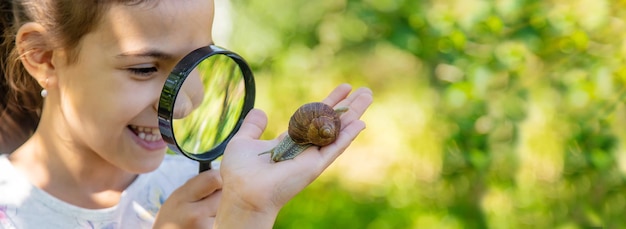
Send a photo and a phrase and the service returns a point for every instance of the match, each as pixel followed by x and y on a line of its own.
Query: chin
pixel 147 164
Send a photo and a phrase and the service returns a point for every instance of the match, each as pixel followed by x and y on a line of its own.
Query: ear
pixel 36 53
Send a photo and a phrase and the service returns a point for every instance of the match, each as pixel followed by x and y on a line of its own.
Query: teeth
pixel 147 133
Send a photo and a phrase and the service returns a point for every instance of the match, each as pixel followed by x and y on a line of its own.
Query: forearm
pixel 233 214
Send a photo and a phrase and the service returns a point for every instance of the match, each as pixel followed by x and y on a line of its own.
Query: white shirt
pixel 25 206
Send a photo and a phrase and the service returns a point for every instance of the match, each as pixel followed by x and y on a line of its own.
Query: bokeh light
pixel 486 114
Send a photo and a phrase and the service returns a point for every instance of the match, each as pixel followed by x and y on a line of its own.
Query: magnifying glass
pixel 203 103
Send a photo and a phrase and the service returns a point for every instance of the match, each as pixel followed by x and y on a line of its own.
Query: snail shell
pixel 314 123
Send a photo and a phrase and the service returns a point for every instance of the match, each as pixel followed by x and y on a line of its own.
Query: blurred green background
pixel 486 114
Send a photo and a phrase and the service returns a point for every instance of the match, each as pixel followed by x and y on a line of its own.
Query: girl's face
pixel 107 100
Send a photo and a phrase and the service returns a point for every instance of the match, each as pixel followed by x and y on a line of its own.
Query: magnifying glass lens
pixel 209 104
pixel 203 103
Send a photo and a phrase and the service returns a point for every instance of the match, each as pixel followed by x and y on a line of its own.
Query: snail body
pixel 312 124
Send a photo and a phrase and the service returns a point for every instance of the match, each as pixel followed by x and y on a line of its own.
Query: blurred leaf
pixel 487 114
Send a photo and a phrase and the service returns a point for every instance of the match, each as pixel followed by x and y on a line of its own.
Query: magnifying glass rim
pixel 175 81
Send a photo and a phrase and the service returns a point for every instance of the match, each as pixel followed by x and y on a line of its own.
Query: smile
pixel 149 134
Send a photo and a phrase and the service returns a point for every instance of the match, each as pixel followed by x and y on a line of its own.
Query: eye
pixel 141 71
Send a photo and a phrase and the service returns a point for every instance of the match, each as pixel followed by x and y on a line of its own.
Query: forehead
pixel 174 26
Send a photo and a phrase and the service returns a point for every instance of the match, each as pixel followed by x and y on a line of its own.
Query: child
pixel 81 84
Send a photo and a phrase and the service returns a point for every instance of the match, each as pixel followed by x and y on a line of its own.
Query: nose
pixel 189 96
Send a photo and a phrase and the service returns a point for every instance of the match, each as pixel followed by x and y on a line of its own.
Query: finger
pixel 357 108
pixel 211 203
pixel 338 94
pixel 201 186
pixel 253 125
pixel 356 94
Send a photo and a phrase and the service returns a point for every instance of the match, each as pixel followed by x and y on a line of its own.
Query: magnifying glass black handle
pixel 204 166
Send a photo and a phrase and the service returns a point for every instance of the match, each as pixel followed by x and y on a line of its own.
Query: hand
pixel 258 187
pixel 193 205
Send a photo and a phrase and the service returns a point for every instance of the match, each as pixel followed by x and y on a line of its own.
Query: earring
pixel 44 92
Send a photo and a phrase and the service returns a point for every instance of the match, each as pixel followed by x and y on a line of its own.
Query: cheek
pixel 99 108
pixel 193 88
pixel 94 114
pixel 189 97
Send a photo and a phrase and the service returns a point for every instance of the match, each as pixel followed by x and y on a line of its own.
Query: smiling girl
pixel 79 128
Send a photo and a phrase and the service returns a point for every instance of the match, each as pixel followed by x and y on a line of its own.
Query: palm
pixel 257 177
pixel 259 182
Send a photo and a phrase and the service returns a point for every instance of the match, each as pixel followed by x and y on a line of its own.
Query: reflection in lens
pixel 217 114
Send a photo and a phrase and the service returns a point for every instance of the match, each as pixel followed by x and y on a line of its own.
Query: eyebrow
pixel 152 53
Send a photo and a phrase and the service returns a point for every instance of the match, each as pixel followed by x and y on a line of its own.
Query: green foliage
pixel 487 114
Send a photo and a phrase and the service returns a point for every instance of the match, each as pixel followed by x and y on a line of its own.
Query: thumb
pixel 253 125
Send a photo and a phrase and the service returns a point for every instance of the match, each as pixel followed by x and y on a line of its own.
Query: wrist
pixel 233 212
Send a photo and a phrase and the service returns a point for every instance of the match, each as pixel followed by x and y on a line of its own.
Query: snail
pixel 312 124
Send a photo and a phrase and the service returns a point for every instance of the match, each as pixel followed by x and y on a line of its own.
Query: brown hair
pixel 66 22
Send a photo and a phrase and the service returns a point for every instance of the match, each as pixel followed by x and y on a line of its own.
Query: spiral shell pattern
pixel 314 123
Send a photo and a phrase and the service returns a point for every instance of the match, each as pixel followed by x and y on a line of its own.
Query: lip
pixel 148 145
